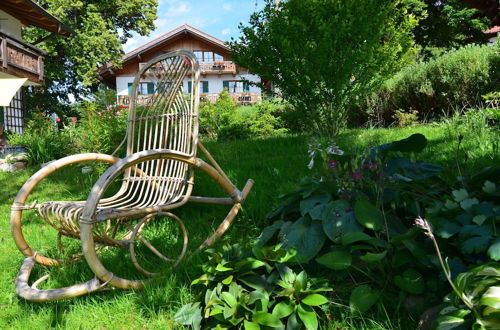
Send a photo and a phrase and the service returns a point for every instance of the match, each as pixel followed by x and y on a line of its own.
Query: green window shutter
pixel 205 86
pixel 1 115
pixel 190 86
pixel 130 89
pixel 151 88
pixel 246 86
pixel 225 84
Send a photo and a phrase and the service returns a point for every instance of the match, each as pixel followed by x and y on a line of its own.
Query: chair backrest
pixel 165 119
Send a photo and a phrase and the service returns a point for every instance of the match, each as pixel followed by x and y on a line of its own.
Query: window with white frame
pixel 236 86
pixel 208 56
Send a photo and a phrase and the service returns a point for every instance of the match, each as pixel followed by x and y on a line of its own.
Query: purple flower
pixel 357 175
pixel 332 164
pixel 372 165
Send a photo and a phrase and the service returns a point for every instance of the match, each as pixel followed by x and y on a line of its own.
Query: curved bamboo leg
pixel 135 233
pixel 32 293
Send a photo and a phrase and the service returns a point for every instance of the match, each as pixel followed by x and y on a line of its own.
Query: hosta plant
pixel 241 291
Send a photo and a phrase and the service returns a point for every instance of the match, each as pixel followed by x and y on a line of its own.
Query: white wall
pixel 10 25
pixel 214 82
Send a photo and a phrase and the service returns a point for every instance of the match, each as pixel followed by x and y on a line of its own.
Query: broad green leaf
pixel 479 219
pixel 266 319
pixel 446 229
pixel 293 323
pixel 372 257
pixel 306 236
pixel 337 223
pixel 410 281
pixel 363 297
pixel 300 281
pixel 283 309
pixel 460 194
pixel 467 203
pixel 222 268
pixel 445 322
pixel 494 250
pixel 251 325
pixel 308 204
pixel 269 232
pixel 189 314
pixel 368 215
pixel 352 237
pixel 314 300
pixel 336 260
pixel 489 187
pixel 307 316
pixel 491 298
pixel 229 299
pixel 228 280
pixel 475 244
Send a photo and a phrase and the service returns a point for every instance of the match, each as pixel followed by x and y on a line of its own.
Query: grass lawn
pixel 276 165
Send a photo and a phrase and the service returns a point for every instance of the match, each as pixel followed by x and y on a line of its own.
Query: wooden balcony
pixel 242 98
pixel 20 59
pixel 224 67
pixel 227 67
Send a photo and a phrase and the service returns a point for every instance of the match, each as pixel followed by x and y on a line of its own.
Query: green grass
pixel 276 165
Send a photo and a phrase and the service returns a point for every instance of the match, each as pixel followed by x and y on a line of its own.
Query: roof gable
pixel 171 35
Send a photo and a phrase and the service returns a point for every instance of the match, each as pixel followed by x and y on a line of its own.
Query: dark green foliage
pixel 71 65
pixel 451 82
pixel 321 55
pixel 253 290
pixel 43 139
pixel 448 24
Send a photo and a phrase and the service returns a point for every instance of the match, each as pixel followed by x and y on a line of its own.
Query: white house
pixel 217 69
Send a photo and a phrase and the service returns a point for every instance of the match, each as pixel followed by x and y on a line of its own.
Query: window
pixel 236 86
pixel 142 88
pixel 208 56
pixel 203 87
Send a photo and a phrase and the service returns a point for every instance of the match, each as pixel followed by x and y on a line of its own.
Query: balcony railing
pixel 242 98
pixel 21 59
pixel 218 67
pixel 227 67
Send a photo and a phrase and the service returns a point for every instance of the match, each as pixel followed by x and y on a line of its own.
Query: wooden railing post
pixel 4 53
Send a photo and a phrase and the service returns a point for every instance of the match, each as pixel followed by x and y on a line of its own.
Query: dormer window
pixel 208 56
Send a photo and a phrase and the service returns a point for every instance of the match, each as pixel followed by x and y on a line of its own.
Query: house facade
pixel 21 63
pixel 217 69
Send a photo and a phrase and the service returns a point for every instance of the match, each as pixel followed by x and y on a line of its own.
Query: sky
pixel 219 18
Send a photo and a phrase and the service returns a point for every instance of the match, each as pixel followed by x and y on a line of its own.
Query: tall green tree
pixel 323 54
pixel 449 24
pixel 101 27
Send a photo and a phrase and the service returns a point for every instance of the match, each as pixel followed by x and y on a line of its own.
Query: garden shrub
pixel 225 121
pixel 100 130
pixel 453 81
pixel 43 139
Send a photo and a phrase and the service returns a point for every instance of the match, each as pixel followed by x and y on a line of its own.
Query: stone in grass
pixel 21 165
pixel 8 167
pixel 19 157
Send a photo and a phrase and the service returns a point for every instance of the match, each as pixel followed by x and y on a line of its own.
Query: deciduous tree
pixel 322 54
pixel 101 27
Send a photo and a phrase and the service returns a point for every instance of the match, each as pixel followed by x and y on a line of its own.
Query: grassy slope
pixel 276 165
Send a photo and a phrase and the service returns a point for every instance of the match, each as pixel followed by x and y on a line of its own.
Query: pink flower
pixel 357 175
pixel 332 164
pixel 372 165
pixel 40 115
pixel 58 119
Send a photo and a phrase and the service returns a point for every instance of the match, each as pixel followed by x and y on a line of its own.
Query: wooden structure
pixel 157 176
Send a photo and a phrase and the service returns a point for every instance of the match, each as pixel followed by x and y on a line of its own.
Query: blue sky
pixel 219 18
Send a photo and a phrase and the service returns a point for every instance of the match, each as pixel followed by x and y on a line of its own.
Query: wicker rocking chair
pixel 157 176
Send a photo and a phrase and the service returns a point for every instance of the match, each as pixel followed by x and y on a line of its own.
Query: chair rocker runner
pixel 157 176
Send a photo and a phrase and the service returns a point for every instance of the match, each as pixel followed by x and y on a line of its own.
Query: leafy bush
pixel 44 141
pixel 253 290
pixel 225 121
pixel 455 80
pixel 100 130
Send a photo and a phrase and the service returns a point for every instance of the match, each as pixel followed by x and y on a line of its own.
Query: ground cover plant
pixel 277 164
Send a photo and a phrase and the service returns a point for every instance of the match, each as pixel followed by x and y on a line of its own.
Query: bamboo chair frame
pixel 158 174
